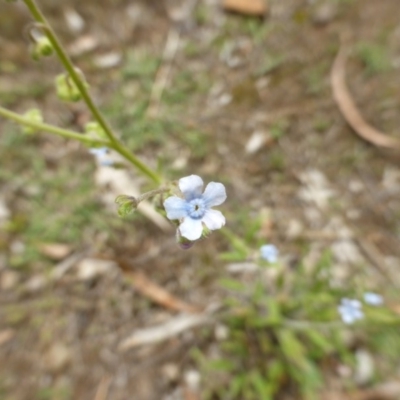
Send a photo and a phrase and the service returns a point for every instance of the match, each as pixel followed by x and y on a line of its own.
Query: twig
pixel 61 268
pixel 6 335
pixel 167 330
pixel 104 386
pixel 376 258
pixel 349 110
pixel 155 292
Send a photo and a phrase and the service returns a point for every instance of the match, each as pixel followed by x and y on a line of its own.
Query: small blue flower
pixel 350 310
pixel 269 253
pixel 373 299
pixel 194 209
pixel 101 154
pixel 99 151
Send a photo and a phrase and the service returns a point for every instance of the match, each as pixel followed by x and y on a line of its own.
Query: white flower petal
pixel 191 186
pixel 213 219
pixel 191 229
pixel 175 207
pixel 215 194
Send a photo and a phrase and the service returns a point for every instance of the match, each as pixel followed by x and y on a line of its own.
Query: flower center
pixel 197 209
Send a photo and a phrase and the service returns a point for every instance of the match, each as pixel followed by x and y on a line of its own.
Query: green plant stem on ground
pixel 302 324
pixel 75 76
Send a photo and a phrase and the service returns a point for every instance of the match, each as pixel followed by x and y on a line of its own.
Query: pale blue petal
pixel 106 163
pixel 213 219
pixel 358 314
pixel 215 194
pixel 175 207
pixel 355 304
pixel 269 253
pixel 350 310
pixel 191 229
pixel 191 186
pixel 373 299
pixel 99 151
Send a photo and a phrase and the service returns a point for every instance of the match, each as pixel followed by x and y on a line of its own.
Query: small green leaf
pixel 292 348
pixel 236 386
pixel 232 284
pixel 260 384
pixel 318 340
pixel 221 365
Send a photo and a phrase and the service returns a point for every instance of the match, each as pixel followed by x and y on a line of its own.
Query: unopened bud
pixel 33 115
pixel 183 242
pixel 94 129
pixel 42 48
pixel 66 88
pixel 126 204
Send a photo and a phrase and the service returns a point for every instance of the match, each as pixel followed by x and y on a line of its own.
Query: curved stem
pixel 75 76
pixel 51 128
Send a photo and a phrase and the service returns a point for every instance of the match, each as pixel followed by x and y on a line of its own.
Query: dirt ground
pixel 247 102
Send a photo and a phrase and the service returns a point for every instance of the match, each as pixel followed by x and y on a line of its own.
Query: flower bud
pixel 41 48
pixel 33 115
pixel 66 88
pixel 93 129
pixel 183 243
pixel 126 204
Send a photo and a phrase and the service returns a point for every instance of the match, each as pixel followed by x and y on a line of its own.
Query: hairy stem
pixel 75 76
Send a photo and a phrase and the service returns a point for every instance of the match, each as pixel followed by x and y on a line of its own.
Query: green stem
pixel 136 162
pixel 299 324
pixel 68 65
pixel 51 128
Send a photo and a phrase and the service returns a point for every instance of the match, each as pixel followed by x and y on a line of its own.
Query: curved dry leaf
pixel 349 110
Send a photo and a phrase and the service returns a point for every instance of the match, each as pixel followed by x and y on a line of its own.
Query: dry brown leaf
pixel 153 291
pixel 55 251
pixel 349 109
pixel 247 7
pixel 384 391
pixel 103 388
pixel 6 335
pixel 156 293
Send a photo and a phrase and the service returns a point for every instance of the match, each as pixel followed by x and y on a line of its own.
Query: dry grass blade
pixel 349 110
pixel 167 330
pixel 102 390
pixel 384 391
pixel 155 292
pixel 6 335
pixel 162 76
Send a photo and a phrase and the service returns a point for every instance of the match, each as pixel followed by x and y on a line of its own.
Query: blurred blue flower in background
pixel 373 299
pixel 269 252
pixel 350 310
pixel 102 156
